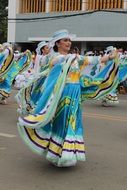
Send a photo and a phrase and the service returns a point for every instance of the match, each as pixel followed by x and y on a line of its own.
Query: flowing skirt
pixel 61 140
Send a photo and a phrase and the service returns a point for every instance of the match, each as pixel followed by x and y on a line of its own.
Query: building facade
pixel 93 21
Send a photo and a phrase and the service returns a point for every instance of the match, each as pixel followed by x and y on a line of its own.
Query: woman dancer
pixel 112 98
pixel 42 50
pixel 52 125
pixel 9 69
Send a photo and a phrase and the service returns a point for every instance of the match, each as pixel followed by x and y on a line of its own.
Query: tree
pixel 3 20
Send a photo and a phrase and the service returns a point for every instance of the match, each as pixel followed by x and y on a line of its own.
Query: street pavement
pixel 106 141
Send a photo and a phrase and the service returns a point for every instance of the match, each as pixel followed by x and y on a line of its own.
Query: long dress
pixel 6 57
pixel 52 123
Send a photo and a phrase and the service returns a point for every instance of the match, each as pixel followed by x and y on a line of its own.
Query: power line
pixel 49 18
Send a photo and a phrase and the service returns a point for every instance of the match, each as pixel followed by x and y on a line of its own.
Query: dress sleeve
pixel 102 83
pixel 44 108
pixel 83 61
pixel 123 70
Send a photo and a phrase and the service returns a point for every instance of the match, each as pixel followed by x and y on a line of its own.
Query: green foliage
pixel 3 20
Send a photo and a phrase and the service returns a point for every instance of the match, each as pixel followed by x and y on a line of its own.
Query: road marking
pixel 7 135
pixel 106 117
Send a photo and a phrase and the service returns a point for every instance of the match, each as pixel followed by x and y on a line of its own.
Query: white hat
pixel 109 49
pixel 39 46
pixel 16 51
pixel 6 44
pixel 58 35
pixel 89 53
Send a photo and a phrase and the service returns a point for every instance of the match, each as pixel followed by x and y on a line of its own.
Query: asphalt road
pixel 105 167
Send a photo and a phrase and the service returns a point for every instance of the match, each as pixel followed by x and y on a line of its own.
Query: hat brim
pixel 38 49
pixel 54 40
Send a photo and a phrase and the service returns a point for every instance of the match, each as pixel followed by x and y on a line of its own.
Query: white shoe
pixel 104 103
pixel 3 102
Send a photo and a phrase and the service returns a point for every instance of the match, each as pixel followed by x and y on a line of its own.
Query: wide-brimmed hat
pixel 109 49
pixel 7 44
pixel 41 45
pixel 61 34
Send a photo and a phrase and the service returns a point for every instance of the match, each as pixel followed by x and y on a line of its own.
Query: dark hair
pixel 55 48
pixel 76 50
pixel 42 49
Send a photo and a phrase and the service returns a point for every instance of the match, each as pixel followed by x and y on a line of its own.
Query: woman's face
pixel 64 45
pixel 112 55
pixel 45 50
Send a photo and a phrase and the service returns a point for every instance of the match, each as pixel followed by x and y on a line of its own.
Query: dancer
pixel 9 69
pixel 52 125
pixel 42 50
pixel 112 98
pixel 6 57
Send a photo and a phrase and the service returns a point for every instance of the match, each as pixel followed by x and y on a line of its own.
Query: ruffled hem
pixel 60 152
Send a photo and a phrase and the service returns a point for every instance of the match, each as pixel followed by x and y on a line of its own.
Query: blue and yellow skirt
pixel 61 140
